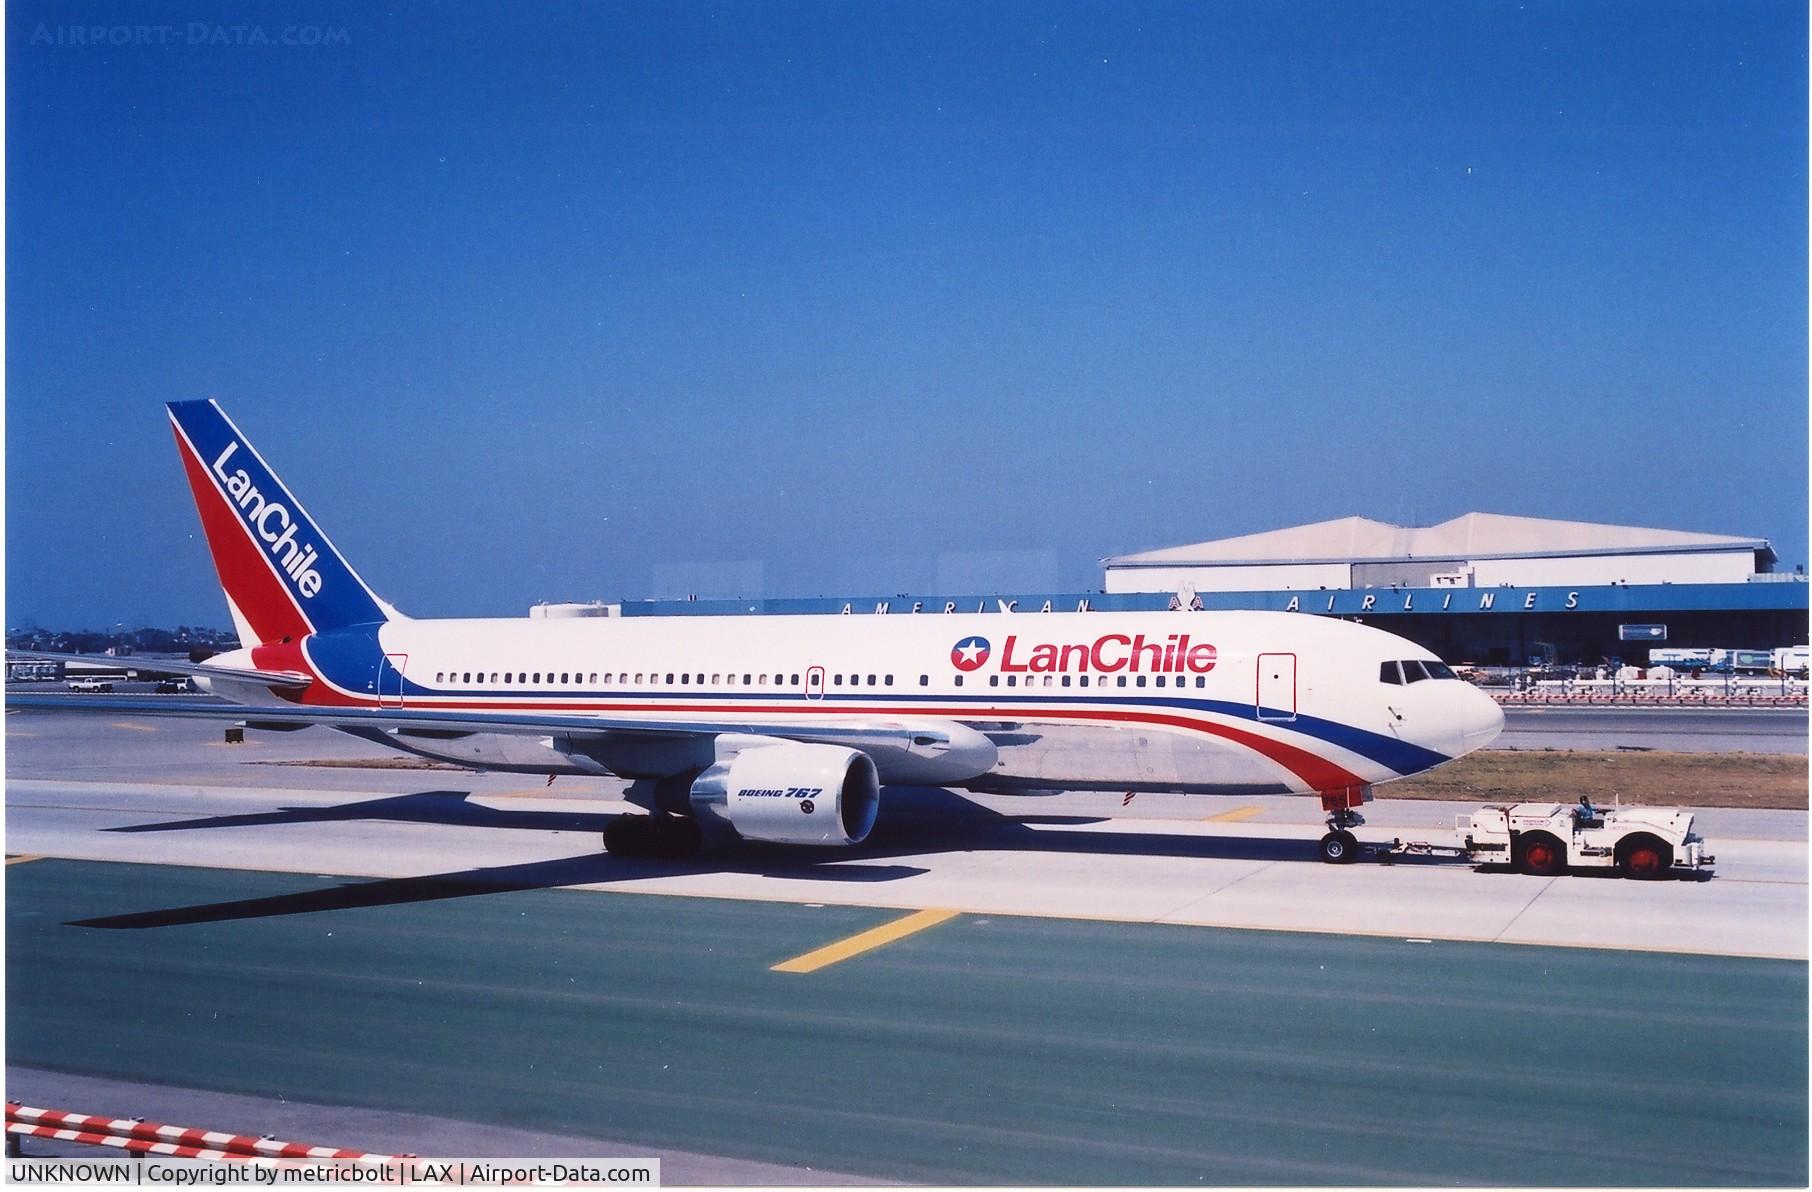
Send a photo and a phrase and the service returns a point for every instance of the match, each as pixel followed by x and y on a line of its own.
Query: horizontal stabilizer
pixel 169 666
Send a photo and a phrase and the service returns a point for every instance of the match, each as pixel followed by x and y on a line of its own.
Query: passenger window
pixel 887 680
pixel 669 676
pixel 1160 680
pixel 1066 680
pixel 745 680
pixel 959 680
pixel 795 680
pixel 836 680
pixel 1119 680
pixel 1388 673
pixel 993 680
pixel 506 676
pixel 1140 682
pixel 1083 681
pixel 1201 680
pixel 493 678
pixel 871 680
pixel 715 679
pixel 924 680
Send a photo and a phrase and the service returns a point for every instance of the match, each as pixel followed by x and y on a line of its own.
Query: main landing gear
pixel 667 837
pixel 1340 846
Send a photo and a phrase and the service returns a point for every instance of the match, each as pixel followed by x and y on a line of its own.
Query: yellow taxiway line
pixel 1235 816
pixel 866 941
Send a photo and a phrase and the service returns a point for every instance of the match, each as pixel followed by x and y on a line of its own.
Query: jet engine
pixel 791 794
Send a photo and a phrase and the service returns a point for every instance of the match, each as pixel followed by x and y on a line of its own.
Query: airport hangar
pixel 1483 588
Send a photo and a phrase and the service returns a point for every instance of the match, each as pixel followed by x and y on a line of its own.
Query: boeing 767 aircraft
pixel 785 728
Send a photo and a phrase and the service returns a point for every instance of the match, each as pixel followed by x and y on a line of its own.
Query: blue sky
pixel 616 300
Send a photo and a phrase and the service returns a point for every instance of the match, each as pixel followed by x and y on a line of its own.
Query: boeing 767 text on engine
pixel 785 728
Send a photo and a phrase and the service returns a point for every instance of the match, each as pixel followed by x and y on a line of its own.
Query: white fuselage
pixel 1233 702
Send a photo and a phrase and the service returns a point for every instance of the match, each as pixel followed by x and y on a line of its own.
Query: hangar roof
pixel 1470 536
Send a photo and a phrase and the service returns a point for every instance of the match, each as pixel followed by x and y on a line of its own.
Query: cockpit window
pixel 1413 670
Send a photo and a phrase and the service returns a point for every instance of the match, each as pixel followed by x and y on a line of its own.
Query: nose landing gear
pixel 1340 846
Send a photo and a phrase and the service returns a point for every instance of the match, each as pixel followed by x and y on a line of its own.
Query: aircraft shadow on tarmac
pixel 915 821
pixel 424 807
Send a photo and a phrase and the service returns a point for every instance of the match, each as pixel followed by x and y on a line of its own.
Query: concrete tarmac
pixel 984 1049
pixel 1248 863
pixel 217 919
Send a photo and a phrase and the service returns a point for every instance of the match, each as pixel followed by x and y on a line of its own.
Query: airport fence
pixel 1657 693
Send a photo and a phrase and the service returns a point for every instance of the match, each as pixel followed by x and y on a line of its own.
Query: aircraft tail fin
pixel 283 578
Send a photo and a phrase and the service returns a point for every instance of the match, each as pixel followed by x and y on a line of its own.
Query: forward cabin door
pixel 1277 687
pixel 390 680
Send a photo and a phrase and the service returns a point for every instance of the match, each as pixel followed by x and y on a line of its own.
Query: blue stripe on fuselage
pixel 348 660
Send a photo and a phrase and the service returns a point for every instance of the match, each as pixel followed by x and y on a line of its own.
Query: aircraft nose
pixel 1481 720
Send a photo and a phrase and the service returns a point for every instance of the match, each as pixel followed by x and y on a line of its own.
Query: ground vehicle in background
pixel 172 686
pixel 91 685
pixel 1792 660
pixel 1718 661
pixel 1549 838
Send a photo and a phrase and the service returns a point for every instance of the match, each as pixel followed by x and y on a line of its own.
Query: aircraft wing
pixel 170 666
pixel 925 737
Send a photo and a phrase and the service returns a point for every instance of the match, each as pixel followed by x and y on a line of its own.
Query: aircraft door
pixel 814 683
pixel 1276 687
pixel 390 680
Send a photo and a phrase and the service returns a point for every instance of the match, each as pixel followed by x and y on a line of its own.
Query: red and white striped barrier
pixel 151 1137
pixel 135 1146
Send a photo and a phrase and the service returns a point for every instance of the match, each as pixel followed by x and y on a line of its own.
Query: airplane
pixel 786 728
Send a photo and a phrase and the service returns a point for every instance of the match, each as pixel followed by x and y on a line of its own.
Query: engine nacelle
pixel 792 794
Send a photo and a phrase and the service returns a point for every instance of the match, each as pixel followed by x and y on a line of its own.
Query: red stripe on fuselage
pixel 244 570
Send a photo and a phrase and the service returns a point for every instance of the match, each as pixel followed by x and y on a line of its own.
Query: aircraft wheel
pixel 676 837
pixel 1645 858
pixel 1339 848
pixel 1540 854
pixel 669 837
pixel 629 836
